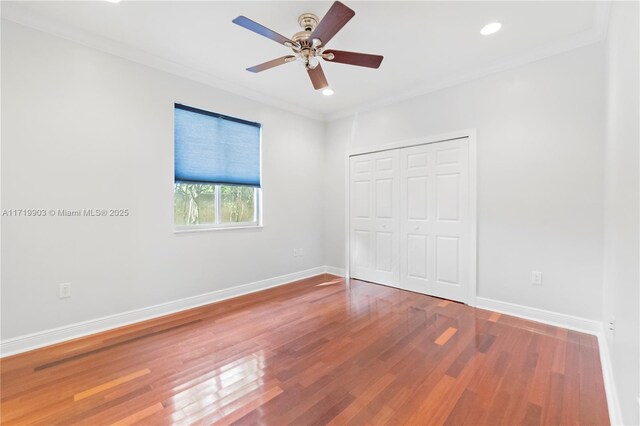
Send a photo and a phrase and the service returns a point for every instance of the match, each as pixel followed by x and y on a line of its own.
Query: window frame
pixel 256 224
pixel 219 226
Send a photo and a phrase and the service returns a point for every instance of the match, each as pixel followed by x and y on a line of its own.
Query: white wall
pixel 540 130
pixel 84 129
pixel 622 276
pixel 338 134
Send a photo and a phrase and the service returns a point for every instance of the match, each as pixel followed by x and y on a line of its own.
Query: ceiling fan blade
pixel 318 79
pixel 247 23
pixel 354 58
pixel 272 63
pixel 336 18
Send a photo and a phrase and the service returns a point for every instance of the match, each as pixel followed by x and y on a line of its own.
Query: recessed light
pixel 327 92
pixel 491 28
pixel 113 1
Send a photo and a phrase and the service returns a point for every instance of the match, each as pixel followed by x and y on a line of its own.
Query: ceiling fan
pixel 308 45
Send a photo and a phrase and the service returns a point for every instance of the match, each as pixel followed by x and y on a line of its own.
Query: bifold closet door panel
pixel 451 220
pixel 416 216
pixel 434 219
pixel 374 217
pixel 447 226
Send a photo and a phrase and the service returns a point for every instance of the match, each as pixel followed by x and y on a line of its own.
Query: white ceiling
pixel 426 45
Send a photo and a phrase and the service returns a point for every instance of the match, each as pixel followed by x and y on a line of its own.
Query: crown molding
pixel 596 34
pixel 112 47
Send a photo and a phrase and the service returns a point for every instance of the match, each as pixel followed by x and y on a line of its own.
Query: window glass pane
pixel 194 203
pixel 237 204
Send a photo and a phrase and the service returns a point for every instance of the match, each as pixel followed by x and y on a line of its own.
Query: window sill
pixel 188 230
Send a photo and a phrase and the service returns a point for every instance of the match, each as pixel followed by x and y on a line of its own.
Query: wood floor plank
pixel 494 317
pixel 110 384
pixel 232 414
pixel 317 351
pixel 444 337
pixel 140 415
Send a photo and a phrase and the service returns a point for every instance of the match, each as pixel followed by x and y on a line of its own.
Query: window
pixel 217 170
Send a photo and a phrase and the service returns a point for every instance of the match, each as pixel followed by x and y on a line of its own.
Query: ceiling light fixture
pixel 113 1
pixel 491 28
pixel 309 45
pixel 327 92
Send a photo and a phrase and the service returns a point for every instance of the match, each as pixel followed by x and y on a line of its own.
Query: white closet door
pixel 434 219
pixel 374 221
pixel 416 217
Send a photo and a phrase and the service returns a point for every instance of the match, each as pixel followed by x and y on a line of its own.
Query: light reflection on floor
pixel 239 378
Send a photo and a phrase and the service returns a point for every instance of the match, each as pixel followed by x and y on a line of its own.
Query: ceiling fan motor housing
pixel 308 21
pixel 308 50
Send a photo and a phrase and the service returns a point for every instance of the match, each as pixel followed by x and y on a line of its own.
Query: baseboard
pixel 60 334
pixel 615 412
pixel 570 322
pixel 334 270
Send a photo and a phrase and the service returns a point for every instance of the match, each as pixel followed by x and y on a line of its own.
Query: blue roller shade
pixel 214 148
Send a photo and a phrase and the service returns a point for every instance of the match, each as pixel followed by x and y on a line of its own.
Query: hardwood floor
pixel 314 352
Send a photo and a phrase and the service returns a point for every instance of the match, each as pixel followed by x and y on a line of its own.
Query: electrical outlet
pixel 295 253
pixel 64 290
pixel 536 277
pixel 612 324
